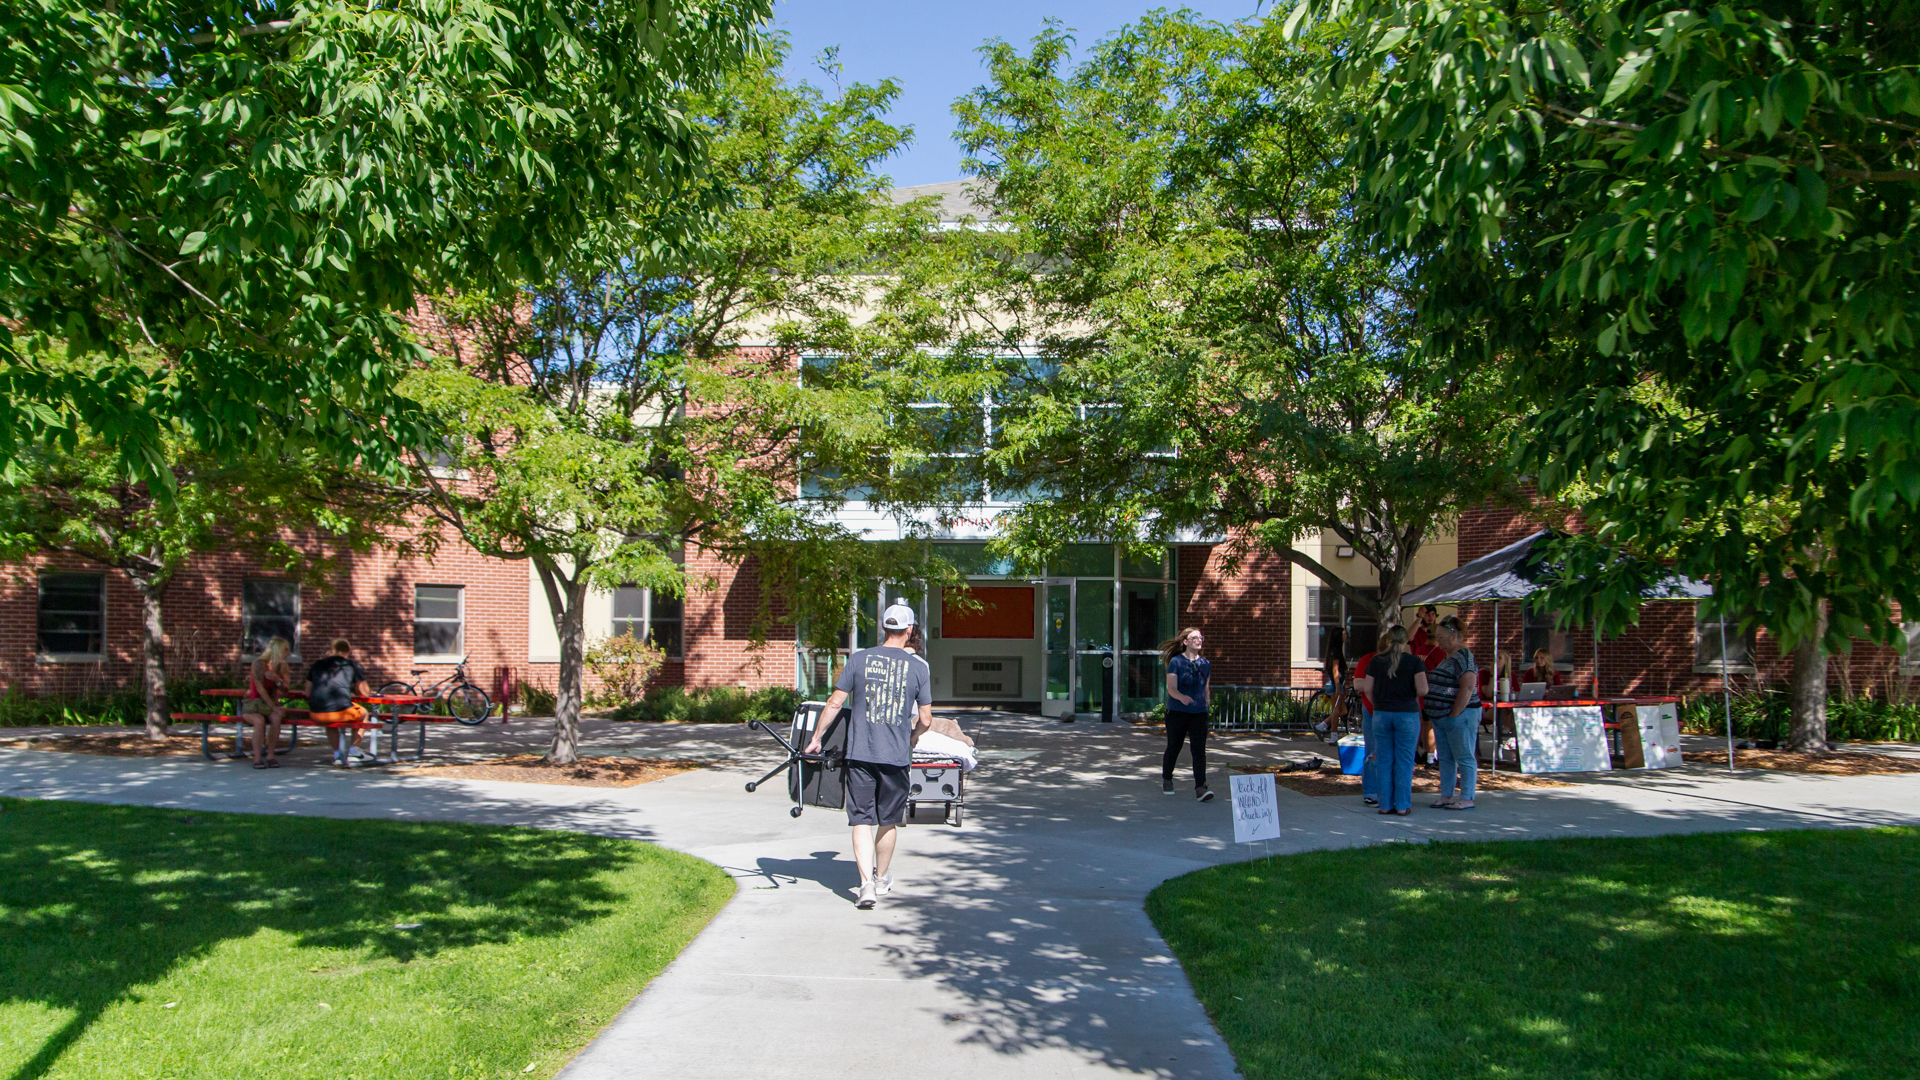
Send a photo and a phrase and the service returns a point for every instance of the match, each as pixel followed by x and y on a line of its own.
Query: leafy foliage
pixel 714 705
pixel 623 663
pixel 1691 233
pixel 1219 357
pixel 258 190
pixel 608 418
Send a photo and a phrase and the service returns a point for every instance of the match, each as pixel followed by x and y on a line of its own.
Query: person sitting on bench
pixel 267 678
pixel 332 683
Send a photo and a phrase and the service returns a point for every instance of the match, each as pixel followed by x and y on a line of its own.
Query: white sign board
pixel 1660 735
pixel 1256 813
pixel 1563 738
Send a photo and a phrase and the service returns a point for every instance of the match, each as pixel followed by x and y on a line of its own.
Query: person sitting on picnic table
pixel 267 679
pixel 332 683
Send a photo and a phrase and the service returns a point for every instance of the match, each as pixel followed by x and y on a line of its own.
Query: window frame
pixel 1910 661
pixel 647 621
pixel 460 595
pixel 1745 640
pixel 246 620
pixel 41 655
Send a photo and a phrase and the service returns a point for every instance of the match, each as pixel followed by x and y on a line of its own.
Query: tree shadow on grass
pixel 1783 954
pixel 97 900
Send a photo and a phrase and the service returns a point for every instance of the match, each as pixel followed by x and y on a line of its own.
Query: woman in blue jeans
pixel 1453 707
pixel 1396 680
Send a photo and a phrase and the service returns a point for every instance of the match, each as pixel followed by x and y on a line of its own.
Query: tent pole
pixel 1726 690
pixel 1495 764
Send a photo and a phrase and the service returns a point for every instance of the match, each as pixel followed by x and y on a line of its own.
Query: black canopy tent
pixel 1522 568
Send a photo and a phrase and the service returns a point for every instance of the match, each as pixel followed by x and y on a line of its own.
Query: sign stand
pixel 1256 810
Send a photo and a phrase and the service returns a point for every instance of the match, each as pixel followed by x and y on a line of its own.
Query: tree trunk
pixel 153 655
pixel 1391 579
pixel 1807 730
pixel 571 624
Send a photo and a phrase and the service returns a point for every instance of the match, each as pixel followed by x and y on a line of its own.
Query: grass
pixel 149 943
pixel 1744 955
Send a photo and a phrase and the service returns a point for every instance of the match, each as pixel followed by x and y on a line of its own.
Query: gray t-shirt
pixel 886 688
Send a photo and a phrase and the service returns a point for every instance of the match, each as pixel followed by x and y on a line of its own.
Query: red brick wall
pixel 370 603
pixel 722 606
pixel 1246 617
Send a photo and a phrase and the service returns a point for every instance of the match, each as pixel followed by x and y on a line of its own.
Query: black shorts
pixel 876 794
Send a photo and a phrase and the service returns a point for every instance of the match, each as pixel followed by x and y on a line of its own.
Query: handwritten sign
pixel 1563 738
pixel 1256 813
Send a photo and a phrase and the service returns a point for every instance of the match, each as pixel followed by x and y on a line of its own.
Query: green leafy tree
pixel 607 416
pixel 293 511
pixel 1217 355
pixel 1689 231
pixel 258 190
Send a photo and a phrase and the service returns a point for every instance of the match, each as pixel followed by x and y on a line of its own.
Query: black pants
pixel 1186 727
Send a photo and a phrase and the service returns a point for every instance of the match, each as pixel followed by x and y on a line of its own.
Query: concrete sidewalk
pixel 1016 946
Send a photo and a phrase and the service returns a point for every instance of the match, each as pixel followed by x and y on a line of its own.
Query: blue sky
pixel 932 49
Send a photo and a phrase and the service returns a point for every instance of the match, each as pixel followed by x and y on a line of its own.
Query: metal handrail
pixel 1235 707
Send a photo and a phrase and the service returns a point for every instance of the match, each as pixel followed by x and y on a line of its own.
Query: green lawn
pixel 1765 955
pixel 140 943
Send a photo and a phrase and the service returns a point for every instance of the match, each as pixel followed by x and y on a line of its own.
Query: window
pixel 1910 663
pixel 1537 632
pixel 438 615
pixel 652 616
pixel 1706 642
pixel 268 609
pixel 72 616
pixel 1332 617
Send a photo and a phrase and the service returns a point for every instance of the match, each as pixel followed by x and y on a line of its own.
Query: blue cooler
pixel 1353 755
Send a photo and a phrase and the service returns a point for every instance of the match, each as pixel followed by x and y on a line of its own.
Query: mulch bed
pixel 1426 779
pixel 586 772
pixel 1838 763
pixel 132 743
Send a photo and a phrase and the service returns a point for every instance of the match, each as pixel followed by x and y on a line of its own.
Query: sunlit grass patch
pixel 1770 956
pixel 156 943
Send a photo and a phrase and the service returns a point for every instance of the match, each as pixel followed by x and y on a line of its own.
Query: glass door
pixel 1093 644
pixel 1057 698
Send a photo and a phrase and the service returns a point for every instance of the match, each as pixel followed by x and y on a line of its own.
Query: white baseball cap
pixel 898 617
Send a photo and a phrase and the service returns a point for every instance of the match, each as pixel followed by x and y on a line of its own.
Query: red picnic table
pixel 375 725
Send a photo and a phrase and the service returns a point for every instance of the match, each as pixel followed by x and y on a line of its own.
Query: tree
pixel 292 510
pixel 1218 355
pixel 606 416
pixel 257 190
pixel 1690 234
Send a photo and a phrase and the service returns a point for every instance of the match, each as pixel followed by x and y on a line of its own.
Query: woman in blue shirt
pixel 1188 674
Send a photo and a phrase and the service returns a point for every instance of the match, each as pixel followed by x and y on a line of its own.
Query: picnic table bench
pixel 375 724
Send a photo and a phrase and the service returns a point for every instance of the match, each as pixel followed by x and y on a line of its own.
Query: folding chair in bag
pixel 812 779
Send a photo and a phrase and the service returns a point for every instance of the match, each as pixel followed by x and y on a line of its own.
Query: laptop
pixel 1532 691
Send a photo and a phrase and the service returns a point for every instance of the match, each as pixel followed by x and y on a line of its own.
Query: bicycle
pixel 464 701
pixel 1338 710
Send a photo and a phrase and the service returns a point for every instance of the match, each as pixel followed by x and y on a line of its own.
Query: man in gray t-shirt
pixel 892 694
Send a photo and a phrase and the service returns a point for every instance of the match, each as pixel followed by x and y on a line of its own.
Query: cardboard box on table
pixel 1649 735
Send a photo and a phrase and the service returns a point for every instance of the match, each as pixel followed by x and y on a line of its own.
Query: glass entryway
pixel 1103 626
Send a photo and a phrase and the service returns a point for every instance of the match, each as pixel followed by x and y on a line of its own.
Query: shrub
pixel 714 705
pixel 624 664
pixel 536 700
pixel 114 707
pixel 1766 714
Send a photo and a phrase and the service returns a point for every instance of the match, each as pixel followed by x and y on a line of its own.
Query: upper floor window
pixel 439 619
pixel 1709 631
pixel 269 609
pixel 72 619
pixel 650 616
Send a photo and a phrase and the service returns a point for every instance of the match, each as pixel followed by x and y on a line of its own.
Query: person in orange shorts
pixel 332 683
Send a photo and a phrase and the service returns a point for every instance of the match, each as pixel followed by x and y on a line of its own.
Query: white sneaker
pixel 359 753
pixel 883 885
pixel 865 899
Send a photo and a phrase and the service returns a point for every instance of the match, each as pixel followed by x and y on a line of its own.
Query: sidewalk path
pixel 1014 947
